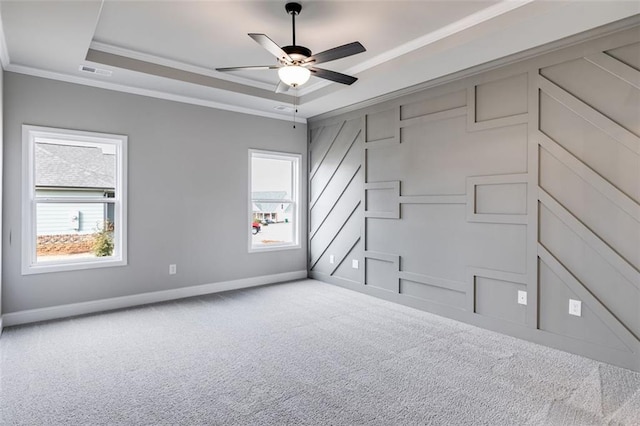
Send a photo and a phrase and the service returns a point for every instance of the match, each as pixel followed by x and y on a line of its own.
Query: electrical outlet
pixel 332 259
pixel 354 263
pixel 172 269
pixel 575 307
pixel 522 297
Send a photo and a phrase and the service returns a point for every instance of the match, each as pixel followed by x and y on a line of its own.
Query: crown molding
pixel 4 51
pixel 20 69
pixel 458 26
pixel 601 31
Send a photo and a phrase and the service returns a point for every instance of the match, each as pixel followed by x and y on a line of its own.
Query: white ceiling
pixel 170 49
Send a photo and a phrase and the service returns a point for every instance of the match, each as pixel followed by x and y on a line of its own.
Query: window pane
pixel 77 169
pixel 274 212
pixel 271 179
pixel 68 231
pixel 74 201
pixel 275 228
pixel 74 168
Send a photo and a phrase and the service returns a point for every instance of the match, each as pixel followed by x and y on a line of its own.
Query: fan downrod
pixel 293 9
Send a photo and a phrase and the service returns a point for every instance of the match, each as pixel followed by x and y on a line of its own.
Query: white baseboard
pixel 73 309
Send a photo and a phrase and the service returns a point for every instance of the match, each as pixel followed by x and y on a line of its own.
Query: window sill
pixel 274 248
pixel 43 268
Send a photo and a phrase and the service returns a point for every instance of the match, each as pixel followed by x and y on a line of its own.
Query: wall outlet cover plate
pixel 575 307
pixel 522 297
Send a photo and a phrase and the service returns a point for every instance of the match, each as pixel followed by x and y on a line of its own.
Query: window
pixel 73 200
pixel 274 213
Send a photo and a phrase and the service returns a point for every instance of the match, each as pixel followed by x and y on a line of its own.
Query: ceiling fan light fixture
pixel 294 75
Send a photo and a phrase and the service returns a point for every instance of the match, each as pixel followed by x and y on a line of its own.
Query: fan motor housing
pixel 297 53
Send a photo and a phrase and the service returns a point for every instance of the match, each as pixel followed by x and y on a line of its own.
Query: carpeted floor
pixel 297 353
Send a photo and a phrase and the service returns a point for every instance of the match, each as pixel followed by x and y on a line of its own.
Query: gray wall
pixel 525 177
pixel 188 183
pixel 1 180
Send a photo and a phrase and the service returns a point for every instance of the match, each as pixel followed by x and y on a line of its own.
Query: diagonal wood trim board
pixel 73 309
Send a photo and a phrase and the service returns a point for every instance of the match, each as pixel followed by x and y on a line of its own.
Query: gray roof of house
pixel 69 166
pixel 267 195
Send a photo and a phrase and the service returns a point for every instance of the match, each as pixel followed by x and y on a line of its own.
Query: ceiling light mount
pixel 293 8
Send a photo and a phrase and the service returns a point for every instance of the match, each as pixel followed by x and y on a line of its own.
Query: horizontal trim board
pixel 433 199
pixel 392 184
pixel 381 215
pixel 434 281
pixel 382 143
pixel 495 274
pixel 436 116
pixel 498 179
pixel 508 219
pixel 385 257
pixel 511 120
pixel 74 309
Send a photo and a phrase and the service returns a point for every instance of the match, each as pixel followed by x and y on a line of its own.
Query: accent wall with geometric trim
pixel 522 182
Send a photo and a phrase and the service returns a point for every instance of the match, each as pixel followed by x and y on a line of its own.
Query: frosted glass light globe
pixel 294 75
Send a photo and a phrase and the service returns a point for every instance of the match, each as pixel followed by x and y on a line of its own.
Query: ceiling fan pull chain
pixel 295 105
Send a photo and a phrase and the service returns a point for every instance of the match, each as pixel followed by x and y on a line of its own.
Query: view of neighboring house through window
pixel 274 195
pixel 73 200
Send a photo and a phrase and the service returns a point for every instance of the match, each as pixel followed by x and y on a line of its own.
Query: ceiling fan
pixel 296 63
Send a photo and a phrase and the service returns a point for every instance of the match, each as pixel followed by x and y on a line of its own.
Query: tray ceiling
pixel 170 49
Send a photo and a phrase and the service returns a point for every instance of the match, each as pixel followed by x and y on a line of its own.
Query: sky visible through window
pixel 271 175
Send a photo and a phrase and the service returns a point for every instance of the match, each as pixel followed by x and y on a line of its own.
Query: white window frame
pixel 30 264
pixel 296 178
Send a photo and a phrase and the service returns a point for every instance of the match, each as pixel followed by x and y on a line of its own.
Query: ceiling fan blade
pixel 336 53
pixel 333 76
pixel 256 67
pixel 282 87
pixel 271 46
